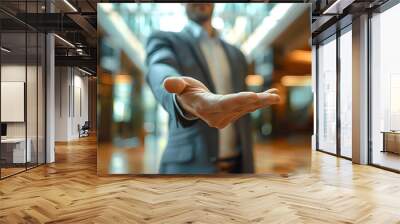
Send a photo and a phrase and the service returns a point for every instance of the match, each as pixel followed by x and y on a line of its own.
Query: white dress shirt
pixel 218 66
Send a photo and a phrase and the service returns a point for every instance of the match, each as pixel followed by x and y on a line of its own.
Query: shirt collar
pixel 198 31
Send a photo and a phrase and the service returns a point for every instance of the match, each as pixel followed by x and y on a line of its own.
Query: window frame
pixel 332 33
pixel 378 10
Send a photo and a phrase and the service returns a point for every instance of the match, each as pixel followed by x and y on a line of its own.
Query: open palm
pixel 216 110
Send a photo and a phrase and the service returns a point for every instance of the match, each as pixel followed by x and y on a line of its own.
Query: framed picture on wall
pixel 12 101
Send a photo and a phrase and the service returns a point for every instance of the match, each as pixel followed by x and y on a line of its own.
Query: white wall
pixel 80 109
pixel 61 103
pixel 71 94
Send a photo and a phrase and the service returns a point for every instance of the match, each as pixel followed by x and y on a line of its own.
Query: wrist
pixel 181 109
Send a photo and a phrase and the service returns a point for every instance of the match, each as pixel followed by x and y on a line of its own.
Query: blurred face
pixel 199 12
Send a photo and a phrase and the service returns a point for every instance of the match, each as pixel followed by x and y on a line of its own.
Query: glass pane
pixel 386 89
pixel 22 82
pixel 327 97
pixel 14 153
pixel 345 94
pixel 41 99
pixel 32 87
pixel 31 97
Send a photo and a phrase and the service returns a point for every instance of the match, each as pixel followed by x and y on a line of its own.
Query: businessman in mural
pixel 200 81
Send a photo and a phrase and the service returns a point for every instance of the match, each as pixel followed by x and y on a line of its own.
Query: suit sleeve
pixel 244 68
pixel 162 63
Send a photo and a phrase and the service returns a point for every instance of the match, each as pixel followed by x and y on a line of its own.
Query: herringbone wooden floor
pixel 335 191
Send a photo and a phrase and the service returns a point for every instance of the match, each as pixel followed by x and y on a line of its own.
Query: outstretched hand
pixel 216 110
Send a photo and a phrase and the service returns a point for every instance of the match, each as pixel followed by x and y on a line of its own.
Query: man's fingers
pixel 194 83
pixel 234 101
pixel 174 84
pixel 244 100
pixel 273 90
pixel 266 99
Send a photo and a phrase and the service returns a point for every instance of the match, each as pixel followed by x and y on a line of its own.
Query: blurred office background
pixel 275 39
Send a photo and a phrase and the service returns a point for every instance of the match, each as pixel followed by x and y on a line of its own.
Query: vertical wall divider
pixel 37 90
pixel 45 88
pixel 369 90
pixel 45 94
pixel 26 86
pixel 360 90
pixel 317 97
pixel 73 92
pixel 60 76
pixel 338 100
pixel 69 92
pixel 1 166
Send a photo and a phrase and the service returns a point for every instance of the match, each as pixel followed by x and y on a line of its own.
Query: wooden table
pixel 13 150
pixel 391 141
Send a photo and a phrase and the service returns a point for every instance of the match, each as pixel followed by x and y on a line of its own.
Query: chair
pixel 84 130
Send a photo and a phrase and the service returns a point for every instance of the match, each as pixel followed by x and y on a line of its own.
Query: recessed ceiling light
pixel 5 50
pixel 70 5
pixel 84 71
pixel 337 7
pixel 65 41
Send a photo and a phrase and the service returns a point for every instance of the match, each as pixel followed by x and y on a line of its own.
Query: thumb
pixel 174 85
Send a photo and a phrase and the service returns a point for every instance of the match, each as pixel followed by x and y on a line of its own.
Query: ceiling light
pixel 279 11
pixel 84 71
pixel 271 27
pixel 70 5
pixel 301 56
pixel 267 24
pixel 337 7
pixel 237 34
pixel 254 80
pixel 258 35
pixel 217 23
pixel 108 7
pixel 5 50
pixel 65 41
pixel 292 80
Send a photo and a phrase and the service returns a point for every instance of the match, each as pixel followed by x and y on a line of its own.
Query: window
pixel 327 96
pixel 346 94
pixel 22 77
pixel 385 89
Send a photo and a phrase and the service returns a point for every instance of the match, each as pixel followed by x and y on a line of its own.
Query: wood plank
pixel 69 191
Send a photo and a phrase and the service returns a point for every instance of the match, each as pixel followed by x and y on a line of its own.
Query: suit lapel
pixel 195 48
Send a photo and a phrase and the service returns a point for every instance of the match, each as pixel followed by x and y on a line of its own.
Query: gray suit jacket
pixel 192 145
